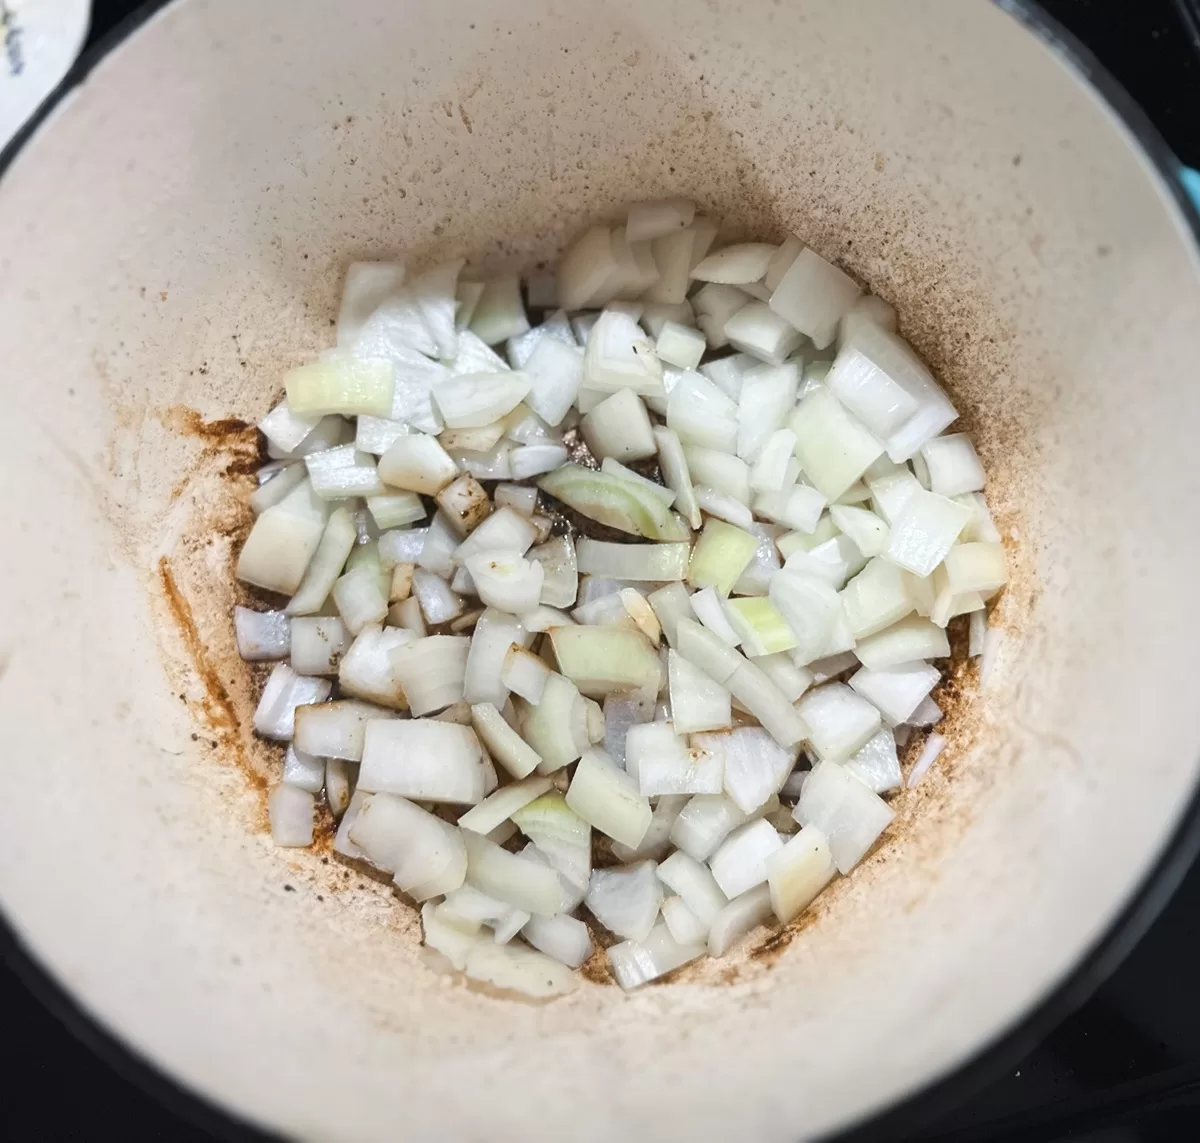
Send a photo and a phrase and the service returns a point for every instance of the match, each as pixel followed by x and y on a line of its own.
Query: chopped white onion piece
pixel 736 265
pixel 684 926
pixel 396 510
pixel 839 721
pixel 635 963
pixel 813 295
pixel 557 726
pixel 276 487
pixel 876 763
pixel 506 580
pixel 556 327
pixel 754 765
pixel 503 804
pixel 524 674
pixel 673 463
pixel 585 267
pixel 704 823
pixel 502 742
pixel 426 855
pixel 555 372
pixel 262 635
pixel 347 386
pixel 619 426
pixel 695 884
pixel 285 690
pixel 977 633
pixel 286 431
pixel 290 810
pixel 361 598
pixel 366 668
pixel 845 810
pixel 432 670
pixel 417 463
pixel 608 799
pixel 474 355
pixel 738 865
pixel 896 691
pixel 701 414
pixel 924 531
pixel 626 899
pixel 434 291
pixel 663 763
pixel 510 878
pixel 448 933
pixel 680 345
pixel 934 745
pixel 697 701
pixel 367 286
pixel 672 254
pixel 833 448
pixel 741 916
pixel 283 541
pixel 499 314
pixel 757 330
pixel 953 465
pixel 904 642
pixel 423 759
pixel 810 606
pixel 769 473
pixel 868 532
pixel 562 938
pixel 767 396
pixel 798 872
pixel 303 770
pixel 619 356
pixel 476 399
pixel 438 603
pixel 561 836
pixel 335 729
pixel 877 597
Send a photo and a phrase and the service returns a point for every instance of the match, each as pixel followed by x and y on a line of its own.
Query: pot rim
pixel 991 1059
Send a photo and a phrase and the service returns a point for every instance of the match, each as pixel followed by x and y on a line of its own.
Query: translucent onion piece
pixel 283 540
pixel 737 264
pixel 843 808
pixel 417 463
pixel 346 385
pixel 423 759
pixel 839 721
pixel 262 635
pixel 498 807
pixel 753 764
pixel 560 835
pixel 301 769
pixel 561 938
pixel 608 799
pixel 601 660
pixel 665 763
pixel 896 691
pixel 934 745
pixel 514 968
pixel 635 963
pixel 626 899
pixel 285 690
pixel 366 668
pixel 721 554
pixel 290 810
pixel 335 729
pixel 833 448
pixel 620 427
pixel 924 531
pixel 695 884
pixel 798 872
pixel 813 295
pixel 499 313
pixel 904 642
pixel 506 580
pixel 656 563
pixel 697 701
pixel 614 501
pixel 876 763
pixel 504 744
pixel 740 917
pixel 432 671
pixel 510 878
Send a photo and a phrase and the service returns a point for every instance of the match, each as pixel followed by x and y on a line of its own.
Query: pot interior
pixel 173 239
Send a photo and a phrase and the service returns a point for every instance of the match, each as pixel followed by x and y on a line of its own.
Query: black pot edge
pixel 914 1112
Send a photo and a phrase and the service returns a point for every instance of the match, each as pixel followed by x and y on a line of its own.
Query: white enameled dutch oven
pixel 173 234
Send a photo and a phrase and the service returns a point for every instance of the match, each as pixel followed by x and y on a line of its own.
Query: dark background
pixel 1125 1068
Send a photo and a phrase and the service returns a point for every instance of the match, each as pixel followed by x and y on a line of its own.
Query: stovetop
pixel 1125 1068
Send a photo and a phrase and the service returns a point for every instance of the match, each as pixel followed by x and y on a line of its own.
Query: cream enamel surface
pixel 173 238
